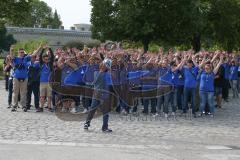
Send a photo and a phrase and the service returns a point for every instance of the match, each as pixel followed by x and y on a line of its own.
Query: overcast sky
pixel 72 11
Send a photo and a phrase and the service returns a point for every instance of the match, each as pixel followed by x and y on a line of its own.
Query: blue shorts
pixel 218 91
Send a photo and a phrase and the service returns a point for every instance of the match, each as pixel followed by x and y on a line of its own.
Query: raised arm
pixel 215 70
pixel 41 56
pixel 181 64
pixel 11 52
pixel 194 60
pixel 37 50
pixel 215 56
pixel 203 62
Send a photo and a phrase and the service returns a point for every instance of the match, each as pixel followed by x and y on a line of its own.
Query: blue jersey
pixel 207 81
pixel 21 67
pixel 190 75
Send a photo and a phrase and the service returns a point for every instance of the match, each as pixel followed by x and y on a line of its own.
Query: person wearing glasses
pixel 46 65
pixel 206 77
pixel 20 78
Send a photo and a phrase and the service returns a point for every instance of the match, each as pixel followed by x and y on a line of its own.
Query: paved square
pixel 31 135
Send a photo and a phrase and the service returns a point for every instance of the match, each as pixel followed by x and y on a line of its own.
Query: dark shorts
pixel 218 91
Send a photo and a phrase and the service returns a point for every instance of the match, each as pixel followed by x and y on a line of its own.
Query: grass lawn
pixel 1 69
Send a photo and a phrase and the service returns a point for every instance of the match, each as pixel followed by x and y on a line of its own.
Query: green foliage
pixel 41 14
pixel 94 43
pixel 6 40
pixel 181 23
pixel 28 13
pixel 80 45
pixel 29 46
pixel 15 12
pixel 1 65
pixel 74 44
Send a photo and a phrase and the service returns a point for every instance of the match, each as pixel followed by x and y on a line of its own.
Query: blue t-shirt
pixel 226 70
pixel 179 78
pixel 152 83
pixel 89 75
pixel 45 73
pixel 65 72
pixel 207 81
pixel 190 76
pixel 166 78
pixel 134 76
pixel 233 75
pixel 76 77
pixel 21 67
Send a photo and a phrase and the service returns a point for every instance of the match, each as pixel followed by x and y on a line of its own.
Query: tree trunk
pixel 146 45
pixel 196 43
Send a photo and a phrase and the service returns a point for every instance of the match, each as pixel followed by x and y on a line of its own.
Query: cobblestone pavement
pixel 133 137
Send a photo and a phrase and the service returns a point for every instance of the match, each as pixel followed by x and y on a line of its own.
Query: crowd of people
pixel 205 76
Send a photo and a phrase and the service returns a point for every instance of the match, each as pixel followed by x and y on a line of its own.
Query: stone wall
pixel 55 37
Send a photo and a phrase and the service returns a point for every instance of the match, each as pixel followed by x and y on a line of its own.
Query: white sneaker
pixel 166 115
pixel 85 111
pixel 155 115
pixel 64 110
pixel 73 110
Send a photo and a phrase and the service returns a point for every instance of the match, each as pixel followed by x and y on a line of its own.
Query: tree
pixel 6 40
pixel 14 11
pixel 56 21
pixel 143 20
pixel 225 22
pixel 41 14
pixel 193 23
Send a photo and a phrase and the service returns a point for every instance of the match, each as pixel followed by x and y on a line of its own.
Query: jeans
pixel 153 102
pixel 170 101
pixel 10 91
pixel 33 87
pixel 207 98
pixel 189 93
pixel 93 108
pixel 233 84
pixel 6 82
pixel 180 97
pixel 238 84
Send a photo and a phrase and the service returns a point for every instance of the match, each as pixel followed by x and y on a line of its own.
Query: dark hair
pixel 190 61
pixel 172 63
pixel 45 55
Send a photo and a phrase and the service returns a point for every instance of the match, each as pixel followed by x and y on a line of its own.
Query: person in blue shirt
pixel 226 85
pixel 233 78
pixel 46 64
pixel 206 78
pixel 100 93
pixel 20 78
pixel 179 75
pixel 71 76
pixel 190 71
pixel 169 79
pixel 149 81
pixel 33 82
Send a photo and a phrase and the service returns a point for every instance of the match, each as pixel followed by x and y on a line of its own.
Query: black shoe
pixel 9 106
pixel 86 126
pixel 145 112
pixel 39 110
pixel 14 109
pixel 25 109
pixel 107 130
